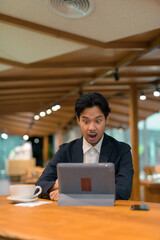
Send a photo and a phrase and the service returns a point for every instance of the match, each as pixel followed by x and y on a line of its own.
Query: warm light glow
pixel 42 114
pixel 156 93
pixel 56 107
pixel 142 97
pixel 4 135
pixel 48 111
pixel 26 137
pixel 120 129
pixel 36 117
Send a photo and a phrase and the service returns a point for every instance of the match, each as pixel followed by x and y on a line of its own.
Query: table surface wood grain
pixel 52 222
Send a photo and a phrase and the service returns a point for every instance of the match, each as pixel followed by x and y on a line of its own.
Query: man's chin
pixel 93 142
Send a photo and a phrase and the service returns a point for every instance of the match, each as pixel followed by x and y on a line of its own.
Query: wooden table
pixel 78 223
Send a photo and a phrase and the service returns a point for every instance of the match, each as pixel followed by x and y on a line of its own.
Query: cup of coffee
pixel 25 191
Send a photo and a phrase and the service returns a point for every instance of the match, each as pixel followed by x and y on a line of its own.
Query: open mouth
pixel 92 136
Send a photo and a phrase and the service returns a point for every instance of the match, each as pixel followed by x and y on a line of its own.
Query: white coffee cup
pixel 24 191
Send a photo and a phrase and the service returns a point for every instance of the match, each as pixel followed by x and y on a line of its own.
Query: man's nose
pixel 92 126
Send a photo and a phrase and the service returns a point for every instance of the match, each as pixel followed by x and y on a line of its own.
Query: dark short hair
pixel 90 100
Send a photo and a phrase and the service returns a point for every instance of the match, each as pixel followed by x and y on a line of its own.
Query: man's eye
pixel 98 121
pixel 86 121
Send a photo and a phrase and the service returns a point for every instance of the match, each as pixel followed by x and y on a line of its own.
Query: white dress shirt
pixel 90 153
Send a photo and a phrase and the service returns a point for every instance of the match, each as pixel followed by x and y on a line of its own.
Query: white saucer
pixel 15 199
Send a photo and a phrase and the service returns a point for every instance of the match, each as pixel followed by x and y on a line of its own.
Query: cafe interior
pixel 51 52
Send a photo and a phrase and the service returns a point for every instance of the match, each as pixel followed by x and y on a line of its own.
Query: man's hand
pixel 54 192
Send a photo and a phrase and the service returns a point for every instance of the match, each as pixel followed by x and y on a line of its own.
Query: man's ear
pixel 107 120
pixel 77 120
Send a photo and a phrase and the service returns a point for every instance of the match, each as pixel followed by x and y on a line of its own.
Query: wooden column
pixel 45 148
pixel 134 141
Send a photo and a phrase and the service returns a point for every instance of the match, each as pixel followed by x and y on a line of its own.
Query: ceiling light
pixel 4 136
pixel 120 129
pixel 91 83
pixel 26 137
pixel 56 107
pixel 48 111
pixel 36 140
pixel 116 75
pixel 142 96
pixel 42 114
pixel 36 117
pixel 156 93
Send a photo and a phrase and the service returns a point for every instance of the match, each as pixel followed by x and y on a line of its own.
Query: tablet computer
pixel 86 184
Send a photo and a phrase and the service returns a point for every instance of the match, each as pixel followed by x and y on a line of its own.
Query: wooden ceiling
pixel 26 89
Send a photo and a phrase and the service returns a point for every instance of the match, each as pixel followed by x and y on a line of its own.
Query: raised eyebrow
pixel 100 116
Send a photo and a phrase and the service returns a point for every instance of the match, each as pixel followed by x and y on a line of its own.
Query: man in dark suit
pixel 95 146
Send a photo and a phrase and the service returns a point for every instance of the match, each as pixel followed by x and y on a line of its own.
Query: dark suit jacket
pixel 112 150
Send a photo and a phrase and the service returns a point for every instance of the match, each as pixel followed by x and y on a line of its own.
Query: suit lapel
pixel 77 154
pixel 106 149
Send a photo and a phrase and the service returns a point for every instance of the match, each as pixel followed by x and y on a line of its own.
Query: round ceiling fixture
pixel 71 8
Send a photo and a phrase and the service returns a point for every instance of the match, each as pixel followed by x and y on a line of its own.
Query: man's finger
pixel 54 195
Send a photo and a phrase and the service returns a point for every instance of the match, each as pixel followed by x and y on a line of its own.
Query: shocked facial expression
pixel 92 123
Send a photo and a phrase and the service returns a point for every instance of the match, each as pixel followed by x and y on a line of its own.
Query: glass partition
pixel 149 141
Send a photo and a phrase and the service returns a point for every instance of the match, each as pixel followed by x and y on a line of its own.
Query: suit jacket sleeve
pixel 49 175
pixel 124 176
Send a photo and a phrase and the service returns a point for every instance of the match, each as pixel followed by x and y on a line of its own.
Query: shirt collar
pixel 87 146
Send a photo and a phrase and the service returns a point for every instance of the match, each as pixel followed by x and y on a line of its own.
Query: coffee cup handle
pixel 39 191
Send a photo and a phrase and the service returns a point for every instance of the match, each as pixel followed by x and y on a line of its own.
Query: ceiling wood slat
pixel 50 31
